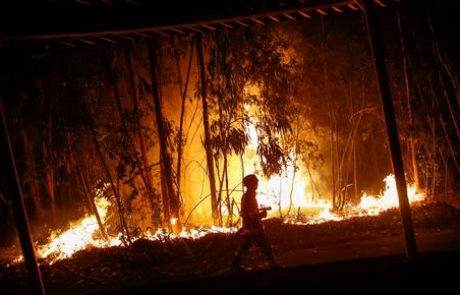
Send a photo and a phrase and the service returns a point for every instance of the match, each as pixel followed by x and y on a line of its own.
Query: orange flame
pixel 277 192
pixel 85 232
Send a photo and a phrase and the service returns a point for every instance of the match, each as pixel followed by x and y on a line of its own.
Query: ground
pixel 368 244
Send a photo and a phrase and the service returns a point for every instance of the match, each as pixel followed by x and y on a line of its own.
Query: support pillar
pixel 368 7
pixel 12 190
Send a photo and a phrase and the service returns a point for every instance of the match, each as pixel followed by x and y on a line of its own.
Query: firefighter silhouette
pixel 252 231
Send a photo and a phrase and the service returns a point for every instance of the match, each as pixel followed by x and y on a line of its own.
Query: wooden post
pixel 207 143
pixel 13 190
pixel 388 109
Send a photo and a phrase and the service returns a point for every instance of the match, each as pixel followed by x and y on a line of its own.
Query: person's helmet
pixel 250 180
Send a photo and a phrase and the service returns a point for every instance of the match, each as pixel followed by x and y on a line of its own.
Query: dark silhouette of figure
pixel 252 231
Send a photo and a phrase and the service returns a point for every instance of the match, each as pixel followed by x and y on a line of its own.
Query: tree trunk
pixel 123 225
pixel 294 164
pixel 207 143
pixel 333 168
pixel 408 104
pixel 433 158
pixel 229 204
pixel 451 106
pixel 91 205
pixel 182 114
pixel 171 196
pixel 445 65
pixel 145 174
pixel 445 130
pixel 50 183
pixel 220 178
pixel 34 188
pixel 355 168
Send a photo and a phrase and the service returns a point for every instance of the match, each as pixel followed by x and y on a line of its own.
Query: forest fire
pixel 369 205
pixel 157 151
pixel 84 233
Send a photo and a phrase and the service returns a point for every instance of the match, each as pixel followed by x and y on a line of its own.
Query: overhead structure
pixel 88 21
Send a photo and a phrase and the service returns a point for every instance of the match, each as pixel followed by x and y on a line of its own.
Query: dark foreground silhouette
pixel 430 271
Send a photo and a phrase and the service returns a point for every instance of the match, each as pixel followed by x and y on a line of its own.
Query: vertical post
pixel 207 143
pixel 388 109
pixel 13 189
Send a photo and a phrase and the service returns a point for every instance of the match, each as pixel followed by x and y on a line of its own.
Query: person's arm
pixel 256 212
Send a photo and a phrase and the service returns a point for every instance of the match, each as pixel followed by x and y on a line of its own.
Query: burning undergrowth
pixel 171 259
pixel 86 232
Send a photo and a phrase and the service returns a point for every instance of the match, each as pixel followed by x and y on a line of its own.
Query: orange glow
pixel 368 206
pixel 85 232
pixel 279 192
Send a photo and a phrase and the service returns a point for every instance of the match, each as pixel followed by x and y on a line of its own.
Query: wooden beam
pixel 126 37
pixel 195 30
pixel 380 3
pixel 241 23
pixel 336 9
pixel 89 42
pixel 375 39
pixel 301 9
pixel 160 32
pixel 353 7
pixel 12 190
pixel 273 18
pixel 134 2
pixel 107 39
pixel 304 14
pixel 209 27
pixel 258 21
pixel 83 2
pixel 175 30
pixel 321 11
pixel 226 25
pixel 109 2
pixel 287 15
pixel 144 35
pixel 69 44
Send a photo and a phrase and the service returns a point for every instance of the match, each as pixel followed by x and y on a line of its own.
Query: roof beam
pixel 209 27
pixel 336 9
pixel 321 11
pixel 258 21
pixel 287 15
pixel 241 23
pixel 226 25
pixel 304 14
pixel 274 14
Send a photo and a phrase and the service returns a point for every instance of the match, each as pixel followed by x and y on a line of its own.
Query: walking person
pixel 252 230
